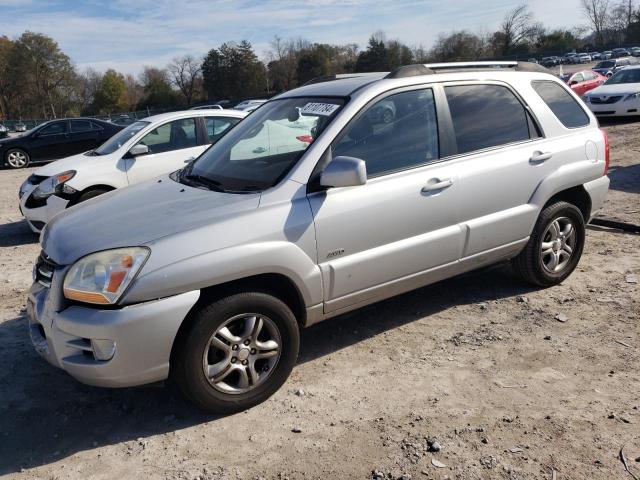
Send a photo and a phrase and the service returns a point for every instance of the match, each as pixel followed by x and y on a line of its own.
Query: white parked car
pixel 618 96
pixel 249 105
pixel 145 149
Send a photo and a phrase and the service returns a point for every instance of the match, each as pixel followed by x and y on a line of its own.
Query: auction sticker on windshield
pixel 324 109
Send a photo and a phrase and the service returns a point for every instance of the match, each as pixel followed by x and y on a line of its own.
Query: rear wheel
pixel 237 352
pixel 17 158
pixel 555 246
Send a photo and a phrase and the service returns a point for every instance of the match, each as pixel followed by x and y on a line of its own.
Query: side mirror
pixel 138 150
pixel 573 82
pixel 344 172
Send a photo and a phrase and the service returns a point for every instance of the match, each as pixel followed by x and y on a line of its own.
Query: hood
pixel 6 141
pixel 620 89
pixel 64 164
pixel 137 215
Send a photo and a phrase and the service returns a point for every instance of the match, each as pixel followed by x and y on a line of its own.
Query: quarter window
pixel 486 116
pixel 561 103
pixel 395 133
pixel 217 126
pixel 174 135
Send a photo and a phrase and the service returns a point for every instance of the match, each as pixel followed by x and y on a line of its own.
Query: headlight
pixel 55 184
pixel 103 277
pixel 633 96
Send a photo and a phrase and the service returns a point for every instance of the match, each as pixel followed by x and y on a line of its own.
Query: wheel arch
pixel 577 196
pixel 276 284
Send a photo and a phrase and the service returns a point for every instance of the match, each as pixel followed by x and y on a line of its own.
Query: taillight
pixel 606 151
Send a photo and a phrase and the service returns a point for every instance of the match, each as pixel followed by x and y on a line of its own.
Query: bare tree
pixel 597 12
pixel 621 20
pixel 186 74
pixel 516 28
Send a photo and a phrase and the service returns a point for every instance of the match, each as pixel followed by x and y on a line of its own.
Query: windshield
pixel 261 149
pixel 120 138
pixel 631 75
pixel 607 64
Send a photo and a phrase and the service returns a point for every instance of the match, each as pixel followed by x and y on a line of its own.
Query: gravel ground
pixel 503 380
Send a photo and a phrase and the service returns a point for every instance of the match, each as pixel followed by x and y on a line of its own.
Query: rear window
pixel 561 103
pixel 486 116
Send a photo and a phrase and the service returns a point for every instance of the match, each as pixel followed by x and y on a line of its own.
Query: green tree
pixel 110 95
pixel 157 90
pixel 375 57
pixel 232 72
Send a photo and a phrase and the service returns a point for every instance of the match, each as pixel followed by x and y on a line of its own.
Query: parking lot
pixel 512 382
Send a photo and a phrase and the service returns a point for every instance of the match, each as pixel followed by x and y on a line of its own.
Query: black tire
pixel 530 264
pixel 22 161
pixel 187 371
pixel 90 194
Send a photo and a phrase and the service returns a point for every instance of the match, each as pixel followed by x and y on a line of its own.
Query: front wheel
pixel 555 246
pixel 237 352
pixel 17 158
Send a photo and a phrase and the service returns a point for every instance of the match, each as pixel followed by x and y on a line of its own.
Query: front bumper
pixel 142 336
pixel 620 108
pixel 37 217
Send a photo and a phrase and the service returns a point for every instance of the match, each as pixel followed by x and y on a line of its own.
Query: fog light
pixel 103 349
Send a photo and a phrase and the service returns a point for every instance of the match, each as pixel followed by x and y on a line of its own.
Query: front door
pixel 171 146
pixel 403 222
pixel 51 141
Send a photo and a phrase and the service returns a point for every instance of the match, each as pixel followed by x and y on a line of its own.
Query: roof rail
pixel 341 76
pixel 433 68
pixel 463 65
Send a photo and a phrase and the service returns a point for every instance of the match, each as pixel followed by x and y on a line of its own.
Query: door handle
pixel 259 150
pixel 437 184
pixel 540 157
pixel 190 159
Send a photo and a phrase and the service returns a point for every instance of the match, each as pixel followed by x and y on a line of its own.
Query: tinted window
pixel 54 128
pixel 561 103
pixel 78 126
pixel 171 136
pixel 216 126
pixel 486 116
pixel 395 133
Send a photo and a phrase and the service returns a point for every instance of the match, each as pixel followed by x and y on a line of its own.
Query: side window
pixel 96 126
pixel 395 133
pixel 79 126
pixel 54 129
pixel 561 103
pixel 171 136
pixel 217 126
pixel 578 78
pixel 486 116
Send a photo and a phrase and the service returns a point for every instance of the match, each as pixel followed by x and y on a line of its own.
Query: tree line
pixel 38 80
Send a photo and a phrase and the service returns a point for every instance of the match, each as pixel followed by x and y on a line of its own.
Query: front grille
pixel 605 101
pixel 606 112
pixel 44 270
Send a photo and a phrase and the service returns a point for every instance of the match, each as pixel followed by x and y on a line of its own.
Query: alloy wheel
pixel 242 353
pixel 558 244
pixel 17 159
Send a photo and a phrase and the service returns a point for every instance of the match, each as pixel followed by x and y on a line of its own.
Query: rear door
pixel 502 157
pixel 171 146
pixel 83 136
pixel 382 236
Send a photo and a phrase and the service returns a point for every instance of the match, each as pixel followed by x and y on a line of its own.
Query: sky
pixel 129 34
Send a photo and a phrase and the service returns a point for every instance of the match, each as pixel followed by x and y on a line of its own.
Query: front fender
pixel 229 264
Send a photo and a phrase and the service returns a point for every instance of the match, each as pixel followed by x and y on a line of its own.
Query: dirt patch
pixel 508 381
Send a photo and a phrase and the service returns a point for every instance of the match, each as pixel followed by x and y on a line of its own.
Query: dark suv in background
pixel 55 139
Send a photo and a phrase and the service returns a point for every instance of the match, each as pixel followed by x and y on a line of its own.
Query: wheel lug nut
pixel 253 351
pixel 247 342
pixel 245 362
pixel 234 347
pixel 233 359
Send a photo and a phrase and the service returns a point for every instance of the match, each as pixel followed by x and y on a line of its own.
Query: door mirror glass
pixel 344 172
pixel 138 150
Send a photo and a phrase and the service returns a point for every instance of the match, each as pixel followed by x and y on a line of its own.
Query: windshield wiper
pixel 205 181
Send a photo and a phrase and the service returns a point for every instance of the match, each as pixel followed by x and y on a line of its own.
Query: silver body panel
pixel 342 248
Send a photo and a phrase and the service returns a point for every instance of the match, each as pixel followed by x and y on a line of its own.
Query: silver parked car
pixel 206 276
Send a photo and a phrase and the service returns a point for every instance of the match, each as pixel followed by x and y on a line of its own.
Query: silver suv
pixel 308 209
